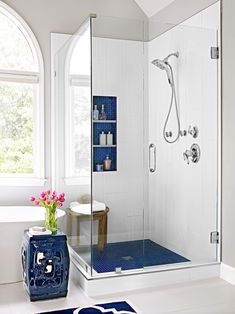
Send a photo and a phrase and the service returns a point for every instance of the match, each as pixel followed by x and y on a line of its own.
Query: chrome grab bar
pixel 152 147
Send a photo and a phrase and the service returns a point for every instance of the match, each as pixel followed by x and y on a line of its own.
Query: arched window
pixel 21 99
pixel 78 108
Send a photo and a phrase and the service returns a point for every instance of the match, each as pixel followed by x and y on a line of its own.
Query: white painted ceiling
pixel 151 7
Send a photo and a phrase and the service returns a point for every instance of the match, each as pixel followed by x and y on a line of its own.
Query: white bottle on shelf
pixel 103 138
pixel 109 138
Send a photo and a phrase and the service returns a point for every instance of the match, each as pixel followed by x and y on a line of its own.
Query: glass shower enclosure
pixel 134 201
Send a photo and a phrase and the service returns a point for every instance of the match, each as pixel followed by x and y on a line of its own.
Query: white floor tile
pixel 222 308
pixel 201 297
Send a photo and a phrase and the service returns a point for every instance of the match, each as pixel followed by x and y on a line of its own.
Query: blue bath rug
pixel 133 255
pixel 108 308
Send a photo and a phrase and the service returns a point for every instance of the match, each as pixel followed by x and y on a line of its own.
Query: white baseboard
pixel 227 273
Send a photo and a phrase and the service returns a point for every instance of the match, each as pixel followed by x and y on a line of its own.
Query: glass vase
pixel 51 220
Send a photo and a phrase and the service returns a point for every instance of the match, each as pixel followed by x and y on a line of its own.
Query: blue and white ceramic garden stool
pixel 45 261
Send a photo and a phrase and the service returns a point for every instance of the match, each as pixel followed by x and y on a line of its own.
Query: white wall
pixel 175 13
pixel 118 71
pixel 228 70
pixel 151 7
pixel 61 16
pixel 183 197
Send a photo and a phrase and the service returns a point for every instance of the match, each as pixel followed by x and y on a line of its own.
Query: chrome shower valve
pixel 193 154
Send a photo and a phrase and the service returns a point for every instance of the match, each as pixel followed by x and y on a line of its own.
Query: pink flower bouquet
pixel 50 201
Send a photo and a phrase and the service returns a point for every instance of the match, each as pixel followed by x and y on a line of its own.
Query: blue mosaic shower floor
pixel 133 255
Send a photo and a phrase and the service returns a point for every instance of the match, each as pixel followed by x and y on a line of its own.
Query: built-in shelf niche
pixel 110 124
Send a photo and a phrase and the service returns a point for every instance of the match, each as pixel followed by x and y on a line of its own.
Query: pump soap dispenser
pixel 107 163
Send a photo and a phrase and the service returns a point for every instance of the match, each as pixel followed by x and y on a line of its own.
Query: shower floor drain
pixel 127 258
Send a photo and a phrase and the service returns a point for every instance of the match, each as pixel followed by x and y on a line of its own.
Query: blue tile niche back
pixel 109 125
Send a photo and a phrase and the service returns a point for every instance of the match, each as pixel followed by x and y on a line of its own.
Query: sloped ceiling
pixel 151 7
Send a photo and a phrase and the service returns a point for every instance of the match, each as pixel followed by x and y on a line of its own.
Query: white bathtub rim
pixel 37 214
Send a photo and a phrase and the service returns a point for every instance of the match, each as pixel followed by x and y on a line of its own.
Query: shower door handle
pixel 152 148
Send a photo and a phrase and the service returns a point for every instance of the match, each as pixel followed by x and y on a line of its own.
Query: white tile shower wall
pixel 118 71
pixel 182 197
pixel 209 18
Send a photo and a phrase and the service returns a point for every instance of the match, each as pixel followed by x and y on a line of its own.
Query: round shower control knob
pixel 183 133
pixel 193 131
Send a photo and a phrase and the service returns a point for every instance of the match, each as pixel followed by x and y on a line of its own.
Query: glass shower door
pixel 183 215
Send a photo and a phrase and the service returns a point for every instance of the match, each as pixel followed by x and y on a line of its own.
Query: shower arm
pixel 175 54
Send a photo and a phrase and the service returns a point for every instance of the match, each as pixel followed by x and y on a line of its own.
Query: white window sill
pixel 78 181
pixel 22 181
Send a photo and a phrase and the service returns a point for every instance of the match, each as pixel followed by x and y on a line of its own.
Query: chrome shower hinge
pixel 214 52
pixel 214 237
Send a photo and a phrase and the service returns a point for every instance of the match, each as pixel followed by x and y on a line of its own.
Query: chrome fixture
pixel 214 237
pixel 165 65
pixel 193 131
pixel 183 133
pixel 169 134
pixel 193 154
pixel 214 52
pixel 152 147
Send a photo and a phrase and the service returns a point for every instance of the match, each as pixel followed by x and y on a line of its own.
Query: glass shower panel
pixel 118 144
pixel 73 135
pixel 183 190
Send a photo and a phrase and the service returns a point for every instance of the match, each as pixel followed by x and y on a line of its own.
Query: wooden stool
pixel 102 218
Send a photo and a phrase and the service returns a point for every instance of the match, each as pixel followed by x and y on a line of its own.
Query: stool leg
pixel 69 225
pixel 105 228
pixel 78 232
pixel 101 229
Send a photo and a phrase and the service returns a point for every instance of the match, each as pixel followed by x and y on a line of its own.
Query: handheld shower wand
pixel 165 65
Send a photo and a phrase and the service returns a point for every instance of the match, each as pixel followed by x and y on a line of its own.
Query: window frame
pixel 37 178
pixel 74 80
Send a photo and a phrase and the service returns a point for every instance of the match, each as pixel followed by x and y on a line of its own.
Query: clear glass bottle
pixel 102 115
pixel 95 113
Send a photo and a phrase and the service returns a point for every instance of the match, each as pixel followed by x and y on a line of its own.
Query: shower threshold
pixel 96 284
